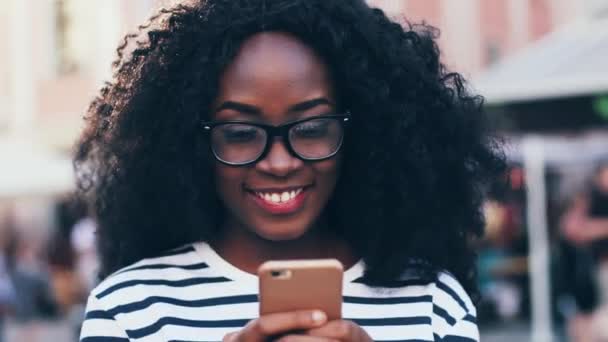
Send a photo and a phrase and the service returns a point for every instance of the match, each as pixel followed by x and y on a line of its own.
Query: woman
pixel 244 131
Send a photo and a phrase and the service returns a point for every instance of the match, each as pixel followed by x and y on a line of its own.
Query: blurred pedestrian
pixel 7 294
pixel 585 224
pixel 35 303
pixel 72 260
pixel 8 297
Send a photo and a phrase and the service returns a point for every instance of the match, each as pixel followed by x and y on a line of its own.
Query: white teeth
pixel 279 197
pixel 285 196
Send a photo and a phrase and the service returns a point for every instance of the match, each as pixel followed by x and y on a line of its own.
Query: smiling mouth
pixel 278 197
pixel 280 201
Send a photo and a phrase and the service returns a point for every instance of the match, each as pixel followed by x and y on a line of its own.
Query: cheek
pixel 327 171
pixel 228 180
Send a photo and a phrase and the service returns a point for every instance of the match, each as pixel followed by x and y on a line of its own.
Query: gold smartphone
pixel 301 285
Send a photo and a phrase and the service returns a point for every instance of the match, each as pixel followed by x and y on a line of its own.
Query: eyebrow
pixel 249 109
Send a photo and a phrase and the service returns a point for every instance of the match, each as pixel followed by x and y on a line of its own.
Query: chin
pixel 281 233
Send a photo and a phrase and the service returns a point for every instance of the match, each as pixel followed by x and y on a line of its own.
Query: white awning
pixel 569 62
pixel 564 150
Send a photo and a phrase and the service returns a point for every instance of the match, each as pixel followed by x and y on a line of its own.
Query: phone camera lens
pixel 281 274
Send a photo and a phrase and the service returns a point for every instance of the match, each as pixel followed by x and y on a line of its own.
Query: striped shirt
pixel 192 294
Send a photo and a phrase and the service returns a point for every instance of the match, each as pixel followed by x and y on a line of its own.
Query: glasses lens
pixel 316 139
pixel 238 143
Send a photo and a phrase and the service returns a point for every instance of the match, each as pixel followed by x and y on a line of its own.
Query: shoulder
pixel 126 290
pixel 434 302
pixel 440 288
pixel 454 313
pixel 166 269
pixel 177 286
pixel 449 293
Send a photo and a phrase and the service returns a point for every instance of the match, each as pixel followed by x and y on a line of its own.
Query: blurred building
pixel 540 64
pixel 476 34
pixel 54 57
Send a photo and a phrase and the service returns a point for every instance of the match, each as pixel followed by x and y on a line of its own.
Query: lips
pixel 280 201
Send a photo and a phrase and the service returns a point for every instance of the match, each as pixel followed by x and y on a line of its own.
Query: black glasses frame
pixel 275 131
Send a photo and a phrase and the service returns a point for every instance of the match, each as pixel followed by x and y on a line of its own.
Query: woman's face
pixel 275 79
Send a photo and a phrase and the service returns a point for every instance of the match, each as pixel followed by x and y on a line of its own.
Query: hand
pixel 576 232
pixel 338 330
pixel 268 326
pixel 582 232
pixel 575 227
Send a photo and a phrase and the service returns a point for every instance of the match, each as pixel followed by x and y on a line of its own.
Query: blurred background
pixel 542 66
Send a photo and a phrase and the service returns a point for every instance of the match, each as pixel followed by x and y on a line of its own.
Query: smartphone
pixel 301 285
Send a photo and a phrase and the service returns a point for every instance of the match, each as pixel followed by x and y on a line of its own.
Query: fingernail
pixel 318 316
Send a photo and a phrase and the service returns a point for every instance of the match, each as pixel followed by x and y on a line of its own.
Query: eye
pixel 239 133
pixel 312 129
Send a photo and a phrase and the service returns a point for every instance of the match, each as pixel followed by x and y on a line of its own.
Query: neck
pixel 247 251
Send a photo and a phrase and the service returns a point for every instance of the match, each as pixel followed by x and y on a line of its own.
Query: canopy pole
pixel 538 260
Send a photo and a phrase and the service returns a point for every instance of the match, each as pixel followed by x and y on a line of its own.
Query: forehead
pixel 274 70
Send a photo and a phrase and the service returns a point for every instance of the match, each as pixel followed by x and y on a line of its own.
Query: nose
pixel 279 162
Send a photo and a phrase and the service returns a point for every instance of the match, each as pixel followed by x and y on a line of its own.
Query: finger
pixel 280 323
pixel 338 329
pixel 231 337
pixel 305 338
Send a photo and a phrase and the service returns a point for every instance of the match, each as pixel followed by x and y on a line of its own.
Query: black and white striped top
pixel 192 294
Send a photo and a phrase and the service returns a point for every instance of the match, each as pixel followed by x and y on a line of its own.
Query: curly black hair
pixel 415 166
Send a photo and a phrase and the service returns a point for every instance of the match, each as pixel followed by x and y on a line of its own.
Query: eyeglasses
pixel 241 143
